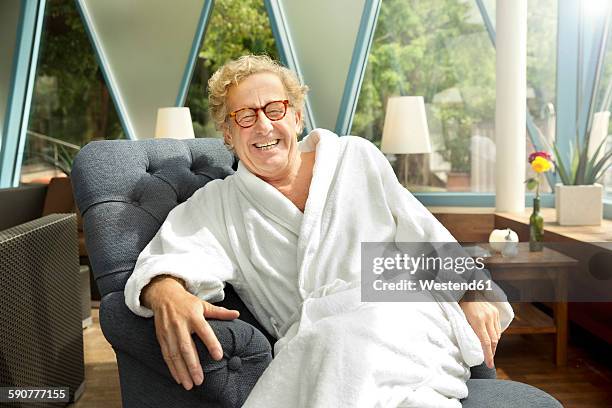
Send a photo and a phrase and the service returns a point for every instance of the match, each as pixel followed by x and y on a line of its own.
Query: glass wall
pixel 541 75
pixel 603 103
pixel 71 104
pixel 236 27
pixel 441 50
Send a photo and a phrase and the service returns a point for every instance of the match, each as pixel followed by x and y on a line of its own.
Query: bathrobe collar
pixel 278 207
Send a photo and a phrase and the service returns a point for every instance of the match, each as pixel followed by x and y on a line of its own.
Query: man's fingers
pixel 181 370
pixel 206 333
pixel 493 336
pixel 191 359
pixel 169 362
pixel 218 312
pixel 486 343
pixel 498 327
pixel 496 330
pixel 484 319
pixel 174 353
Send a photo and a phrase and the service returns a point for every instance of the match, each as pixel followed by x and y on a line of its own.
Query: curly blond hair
pixel 235 71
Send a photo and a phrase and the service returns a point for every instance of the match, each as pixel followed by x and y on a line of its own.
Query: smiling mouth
pixel 266 146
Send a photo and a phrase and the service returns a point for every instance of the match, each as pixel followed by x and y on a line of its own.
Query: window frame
pixel 23 76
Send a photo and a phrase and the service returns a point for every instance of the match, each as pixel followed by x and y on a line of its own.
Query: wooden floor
pixel 586 382
pixel 101 376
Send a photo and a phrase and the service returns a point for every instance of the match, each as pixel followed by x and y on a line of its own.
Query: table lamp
pixel 174 123
pixel 405 130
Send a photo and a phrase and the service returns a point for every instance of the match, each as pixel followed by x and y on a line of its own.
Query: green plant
pixel 456 136
pixel 580 168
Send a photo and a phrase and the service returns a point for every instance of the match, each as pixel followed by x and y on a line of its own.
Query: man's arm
pixel 149 292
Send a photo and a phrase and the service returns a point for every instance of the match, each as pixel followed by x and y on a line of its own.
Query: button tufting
pixel 234 363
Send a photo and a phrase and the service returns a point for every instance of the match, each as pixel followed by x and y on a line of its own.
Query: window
pixel 71 104
pixel 603 102
pixel 441 50
pixel 236 28
pixel 541 74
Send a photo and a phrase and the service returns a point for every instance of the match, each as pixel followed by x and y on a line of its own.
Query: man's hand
pixel 177 315
pixel 483 316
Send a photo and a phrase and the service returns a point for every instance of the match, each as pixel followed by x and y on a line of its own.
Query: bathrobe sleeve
pixel 190 246
pixel 416 224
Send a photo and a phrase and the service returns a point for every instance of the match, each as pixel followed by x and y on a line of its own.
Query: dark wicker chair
pixel 41 338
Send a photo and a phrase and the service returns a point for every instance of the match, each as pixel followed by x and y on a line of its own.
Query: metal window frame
pixel 23 76
pixel 195 51
pixel 286 51
pixel 354 79
pixel 593 70
pixel 106 72
pixel 352 85
pixel 468 199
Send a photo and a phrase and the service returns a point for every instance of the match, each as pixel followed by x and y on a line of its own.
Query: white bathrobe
pixel 299 274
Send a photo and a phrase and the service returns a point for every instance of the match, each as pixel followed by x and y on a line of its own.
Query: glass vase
pixel 536 227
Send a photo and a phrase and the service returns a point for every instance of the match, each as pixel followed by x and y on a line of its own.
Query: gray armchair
pixel 124 190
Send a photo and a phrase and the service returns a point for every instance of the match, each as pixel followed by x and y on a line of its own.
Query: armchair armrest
pixel 227 383
pixel 482 372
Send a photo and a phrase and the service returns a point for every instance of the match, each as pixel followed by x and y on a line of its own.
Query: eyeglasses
pixel 247 117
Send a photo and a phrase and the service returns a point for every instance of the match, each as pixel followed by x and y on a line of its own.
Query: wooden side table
pixel 547 264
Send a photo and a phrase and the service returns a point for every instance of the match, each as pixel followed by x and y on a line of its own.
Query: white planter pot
pixel 579 205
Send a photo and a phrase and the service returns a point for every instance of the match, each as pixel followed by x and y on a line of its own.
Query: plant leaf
pixel 574 165
pixel 581 169
pixel 531 183
pixel 560 166
pixel 601 164
pixel 602 172
pixel 590 168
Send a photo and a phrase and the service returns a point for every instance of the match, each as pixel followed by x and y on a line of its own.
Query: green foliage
pixel 419 48
pixel 581 169
pixel 541 53
pixel 424 48
pixel 71 101
pixel 430 47
pixel 236 28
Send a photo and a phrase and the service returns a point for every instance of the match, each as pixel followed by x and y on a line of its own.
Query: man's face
pixel 275 160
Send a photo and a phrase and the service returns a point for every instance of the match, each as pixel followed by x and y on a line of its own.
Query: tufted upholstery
pixel 229 381
pixel 124 190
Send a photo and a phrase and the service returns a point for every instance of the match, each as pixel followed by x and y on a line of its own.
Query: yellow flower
pixel 540 165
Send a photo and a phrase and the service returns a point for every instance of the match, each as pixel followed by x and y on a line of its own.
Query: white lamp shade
pixel 405 130
pixel 174 123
